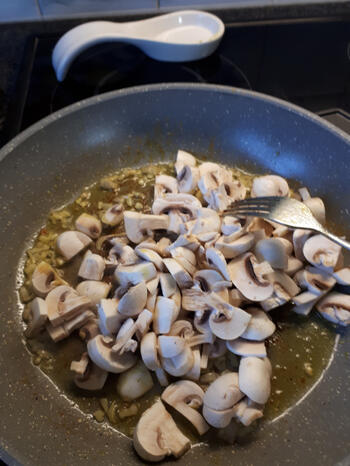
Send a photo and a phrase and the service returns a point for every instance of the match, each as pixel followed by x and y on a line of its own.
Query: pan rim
pixel 90 101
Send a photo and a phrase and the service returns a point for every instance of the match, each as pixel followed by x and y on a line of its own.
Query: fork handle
pixel 336 239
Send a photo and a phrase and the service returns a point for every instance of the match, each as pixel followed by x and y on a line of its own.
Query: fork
pixel 285 211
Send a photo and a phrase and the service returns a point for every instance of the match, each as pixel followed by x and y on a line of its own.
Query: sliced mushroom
pixel 185 396
pixel 260 325
pixel 299 239
pixel 89 330
pixel 71 243
pixel 167 284
pixel 179 365
pixel 223 393
pixel 165 314
pixel 284 288
pixel 342 276
pixel 63 303
pixel 210 280
pixel 212 176
pixel 124 341
pixel 315 204
pixel 187 179
pixel 100 352
pixel 157 436
pixel 182 278
pixel 230 325
pixel 216 418
pixel 231 226
pixel 122 254
pixel 138 226
pixel 293 266
pixel 304 302
pixel 315 280
pixel 273 251
pixel 184 158
pixel 92 267
pixel 165 184
pixel 88 376
pixel 59 332
pixel 133 301
pixel 113 216
pixel 151 256
pixel 216 259
pixel 243 347
pixel 134 383
pixel 250 277
pixel 322 253
pixel 195 371
pixel 170 346
pixel 94 290
pixel 254 379
pixel 269 185
pixel 149 351
pixel 38 317
pixel 163 245
pixel 235 248
pixel 89 225
pixel 335 307
pixel 44 279
pixel 134 274
pixel 187 241
pixel 224 195
pixel 247 411
pixel 109 318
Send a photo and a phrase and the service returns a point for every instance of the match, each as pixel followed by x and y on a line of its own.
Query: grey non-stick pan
pixel 53 160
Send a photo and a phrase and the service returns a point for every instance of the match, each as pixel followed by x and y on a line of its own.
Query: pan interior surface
pixel 50 163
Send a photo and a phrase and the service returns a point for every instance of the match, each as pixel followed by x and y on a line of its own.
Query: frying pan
pixel 49 163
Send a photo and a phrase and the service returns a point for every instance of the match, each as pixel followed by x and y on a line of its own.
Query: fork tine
pixel 249 213
pixel 249 208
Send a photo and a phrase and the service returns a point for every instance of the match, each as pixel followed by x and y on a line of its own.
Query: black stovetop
pixel 307 63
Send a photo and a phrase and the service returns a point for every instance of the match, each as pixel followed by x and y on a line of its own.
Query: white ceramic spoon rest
pixel 179 36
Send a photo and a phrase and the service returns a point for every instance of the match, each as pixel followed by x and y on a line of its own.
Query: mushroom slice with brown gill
pixel 92 267
pixel 254 379
pixel 284 288
pixel 250 277
pixel 315 280
pixel 188 178
pixel 139 227
pixel 184 158
pixel 109 318
pixel 243 347
pixel 322 253
pixel 88 376
pixel 211 280
pixel 157 436
pixel 121 253
pixel 45 278
pixel 134 382
pixel 186 396
pixel 269 185
pixel 94 290
pixel 100 352
pixel 335 307
pixel 71 243
pixel 134 274
pixel 260 325
pixel 133 301
pixel 165 184
pixel 225 194
pixel 113 216
pixel 63 303
pixel 38 317
pixel 299 238
pixel 89 225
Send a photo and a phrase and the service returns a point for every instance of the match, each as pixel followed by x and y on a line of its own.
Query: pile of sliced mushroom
pixel 204 288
